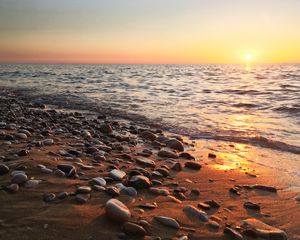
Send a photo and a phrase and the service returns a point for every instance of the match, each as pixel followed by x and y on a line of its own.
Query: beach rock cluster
pixel 98 158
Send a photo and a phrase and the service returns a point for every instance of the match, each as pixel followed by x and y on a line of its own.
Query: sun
pixel 248 57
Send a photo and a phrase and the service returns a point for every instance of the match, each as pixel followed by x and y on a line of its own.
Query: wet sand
pixel 95 145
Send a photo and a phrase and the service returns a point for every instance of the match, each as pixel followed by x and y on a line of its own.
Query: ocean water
pixel 257 104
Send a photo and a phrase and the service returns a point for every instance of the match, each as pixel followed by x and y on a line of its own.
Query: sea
pixel 252 104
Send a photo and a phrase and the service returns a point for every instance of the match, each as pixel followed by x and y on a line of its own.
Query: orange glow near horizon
pixel 214 31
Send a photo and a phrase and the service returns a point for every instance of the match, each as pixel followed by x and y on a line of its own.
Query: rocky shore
pixel 70 175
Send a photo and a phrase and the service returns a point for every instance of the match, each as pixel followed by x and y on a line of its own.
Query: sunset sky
pixel 149 31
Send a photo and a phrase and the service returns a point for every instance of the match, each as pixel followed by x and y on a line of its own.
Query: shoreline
pixel 96 146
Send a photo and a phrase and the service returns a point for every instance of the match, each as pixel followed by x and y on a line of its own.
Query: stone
pixel 49 197
pixel 21 135
pixel 134 229
pixel 145 162
pixel 195 213
pixel 59 173
pixel 160 191
pixel 99 181
pixel 46 170
pixel 233 234
pixel 62 195
pixel 212 203
pixel 139 182
pixel 48 141
pixel 3 169
pixel 148 205
pixel 69 170
pixel 163 171
pixel 186 155
pixel 117 211
pixel 203 205
pixel 176 167
pixel 130 191
pixel 113 191
pixel 12 188
pixel 167 221
pixel 175 144
pixel 83 190
pixel 19 178
pixel 106 128
pixel 193 165
pixel 263 230
pixel 148 135
pixel 32 183
pixel 98 188
pixel 213 224
pixel 264 188
pixel 82 198
pixel 23 152
pixel 167 154
pixel 117 174
pixel 252 206
pixel 195 191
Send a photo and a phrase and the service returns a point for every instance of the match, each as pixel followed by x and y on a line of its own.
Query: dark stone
pixel 193 165
pixel 3 169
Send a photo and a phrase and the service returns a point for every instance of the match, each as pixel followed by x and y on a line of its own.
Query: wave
pixel 76 102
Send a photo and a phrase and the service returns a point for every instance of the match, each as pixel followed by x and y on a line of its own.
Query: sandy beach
pixel 61 168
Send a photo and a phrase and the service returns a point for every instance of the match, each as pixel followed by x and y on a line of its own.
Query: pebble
pixel 48 141
pixel 133 229
pixel 213 224
pixel 212 203
pixel 130 191
pixel 62 195
pixel 139 182
pixel 145 162
pixel 99 181
pixel 69 170
pixel 148 205
pixel 196 213
pixel 19 178
pixel 113 191
pixel 3 169
pixel 252 206
pixel 160 191
pixel 264 230
pixel 264 188
pixel 193 165
pixel 82 198
pixel 49 197
pixel 167 221
pixel 186 155
pixel 106 128
pixel 21 135
pixel 46 170
pixel 32 183
pixel 167 154
pixel 176 167
pixel 233 234
pixel 23 152
pixel 175 144
pixel 148 135
pixel 195 191
pixel 117 174
pixel 59 173
pixel 83 190
pixel 117 211
pixel 12 188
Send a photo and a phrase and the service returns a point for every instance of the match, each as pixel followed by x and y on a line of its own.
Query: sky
pixel 149 31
